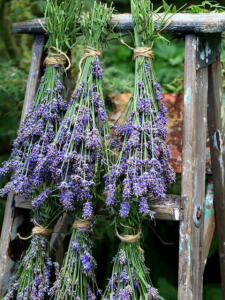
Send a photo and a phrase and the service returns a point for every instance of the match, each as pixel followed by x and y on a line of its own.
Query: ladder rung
pixel 167 209
pixel 180 22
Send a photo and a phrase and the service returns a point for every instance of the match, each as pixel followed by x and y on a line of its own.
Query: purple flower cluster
pixel 143 166
pixel 77 277
pixel 76 154
pixel 32 279
pixel 37 132
pixel 130 276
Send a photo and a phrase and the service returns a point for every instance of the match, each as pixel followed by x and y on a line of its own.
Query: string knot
pixel 41 231
pixel 82 224
pixel 59 58
pixel 143 51
pixel 128 238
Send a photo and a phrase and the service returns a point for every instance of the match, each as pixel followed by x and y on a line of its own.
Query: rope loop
pixel 82 224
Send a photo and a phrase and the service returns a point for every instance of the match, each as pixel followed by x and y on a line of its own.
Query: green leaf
pixel 166 6
pixel 166 289
pixel 212 292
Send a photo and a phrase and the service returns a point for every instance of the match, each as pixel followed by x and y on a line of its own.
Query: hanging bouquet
pixel 142 170
pixel 81 146
pixel 77 158
pixel 27 162
pixel 32 278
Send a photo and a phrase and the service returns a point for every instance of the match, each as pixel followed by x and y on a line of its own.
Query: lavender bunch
pixel 142 171
pixel 32 279
pixel 76 158
pixel 28 158
pixel 130 279
pixel 81 146
pixel 76 279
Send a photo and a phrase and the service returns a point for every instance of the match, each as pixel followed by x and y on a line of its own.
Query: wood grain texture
pixel 5 237
pixel 193 174
pixel 180 23
pixel 209 221
pixel 168 209
pixel 6 265
pixel 34 73
pixel 216 124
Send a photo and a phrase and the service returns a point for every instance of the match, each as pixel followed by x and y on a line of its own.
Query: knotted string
pixel 40 230
pixel 140 51
pixel 89 51
pixel 57 58
pixel 82 224
pixel 130 238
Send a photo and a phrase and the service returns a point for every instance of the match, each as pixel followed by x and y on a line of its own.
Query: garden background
pixel 15 54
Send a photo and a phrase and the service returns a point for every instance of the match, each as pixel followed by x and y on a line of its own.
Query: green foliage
pixel 12 89
pixel 212 292
pixel 166 289
pixel 206 7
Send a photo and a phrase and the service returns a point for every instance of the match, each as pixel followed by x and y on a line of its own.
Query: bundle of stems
pixel 32 279
pixel 81 145
pixel 130 277
pixel 76 279
pixel 27 162
pixel 78 157
pixel 142 170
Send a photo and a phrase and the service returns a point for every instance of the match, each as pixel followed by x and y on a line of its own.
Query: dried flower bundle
pixel 80 148
pixel 130 277
pixel 32 279
pixel 77 279
pixel 142 170
pixel 27 161
pixel 78 156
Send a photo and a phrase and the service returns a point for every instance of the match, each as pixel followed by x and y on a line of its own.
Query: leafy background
pixel 161 239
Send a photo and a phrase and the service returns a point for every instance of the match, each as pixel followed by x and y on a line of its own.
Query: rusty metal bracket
pixel 198 215
pixel 208 49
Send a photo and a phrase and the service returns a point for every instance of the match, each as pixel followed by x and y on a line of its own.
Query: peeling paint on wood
pixel 180 22
pixel 187 96
pixel 209 200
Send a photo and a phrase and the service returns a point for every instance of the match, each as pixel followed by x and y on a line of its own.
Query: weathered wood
pixel 209 221
pixel 193 175
pixel 208 50
pixel 180 23
pixel 216 124
pixel 6 264
pixel 168 209
pixel 5 261
pixel 34 73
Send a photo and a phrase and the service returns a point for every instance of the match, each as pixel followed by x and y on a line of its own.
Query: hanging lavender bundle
pixel 130 278
pixel 81 143
pixel 142 170
pixel 76 279
pixel 27 161
pixel 32 278
pixel 76 158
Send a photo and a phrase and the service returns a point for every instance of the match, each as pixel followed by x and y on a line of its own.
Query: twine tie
pixel 82 224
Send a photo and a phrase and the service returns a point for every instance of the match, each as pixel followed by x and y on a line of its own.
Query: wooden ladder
pixel 203 101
